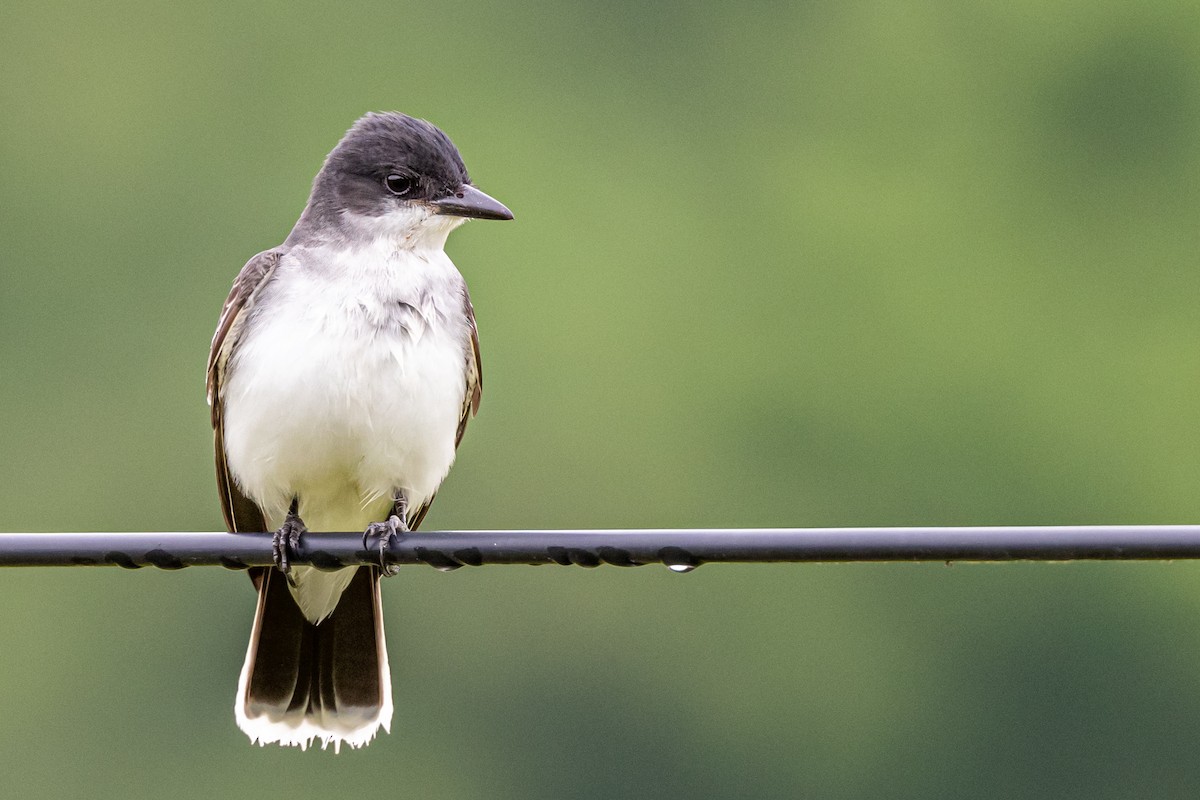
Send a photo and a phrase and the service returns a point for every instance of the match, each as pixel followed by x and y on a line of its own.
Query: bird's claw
pixel 386 531
pixel 285 542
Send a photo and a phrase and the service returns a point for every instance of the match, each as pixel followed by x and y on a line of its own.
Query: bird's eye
pixel 399 185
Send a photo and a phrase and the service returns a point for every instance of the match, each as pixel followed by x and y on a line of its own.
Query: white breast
pixel 347 384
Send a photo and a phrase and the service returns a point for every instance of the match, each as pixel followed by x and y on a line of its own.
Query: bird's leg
pixel 285 540
pixel 389 529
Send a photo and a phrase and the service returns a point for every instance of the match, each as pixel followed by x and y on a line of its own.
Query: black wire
pixel 680 549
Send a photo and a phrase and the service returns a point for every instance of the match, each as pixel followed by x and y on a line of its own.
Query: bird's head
pixel 396 176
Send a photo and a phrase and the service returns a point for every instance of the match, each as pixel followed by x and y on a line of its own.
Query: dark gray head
pixel 392 167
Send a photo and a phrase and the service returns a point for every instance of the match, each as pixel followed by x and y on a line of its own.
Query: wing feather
pixel 241 513
pixel 472 394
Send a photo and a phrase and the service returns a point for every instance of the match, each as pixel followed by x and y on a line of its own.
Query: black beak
pixel 468 201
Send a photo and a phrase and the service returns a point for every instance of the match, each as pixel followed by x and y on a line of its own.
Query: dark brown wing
pixel 471 398
pixel 474 391
pixel 241 513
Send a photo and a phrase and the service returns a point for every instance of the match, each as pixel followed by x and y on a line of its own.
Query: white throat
pixel 408 227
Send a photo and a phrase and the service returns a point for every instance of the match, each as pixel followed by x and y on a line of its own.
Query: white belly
pixel 343 391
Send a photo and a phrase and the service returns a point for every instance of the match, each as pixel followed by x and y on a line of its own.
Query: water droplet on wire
pixel 678 560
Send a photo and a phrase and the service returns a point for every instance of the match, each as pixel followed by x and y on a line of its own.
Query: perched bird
pixel 342 374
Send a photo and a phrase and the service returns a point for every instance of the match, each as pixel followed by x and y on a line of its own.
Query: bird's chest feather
pixel 350 376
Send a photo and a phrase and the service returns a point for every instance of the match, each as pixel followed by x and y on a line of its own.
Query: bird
pixel 341 377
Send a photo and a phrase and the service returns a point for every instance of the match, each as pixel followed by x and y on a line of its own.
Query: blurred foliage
pixel 816 263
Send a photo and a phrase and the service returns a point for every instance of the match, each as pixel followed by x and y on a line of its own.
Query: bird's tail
pixel 303 682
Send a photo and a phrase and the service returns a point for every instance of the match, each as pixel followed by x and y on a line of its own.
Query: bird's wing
pixel 471 397
pixel 241 513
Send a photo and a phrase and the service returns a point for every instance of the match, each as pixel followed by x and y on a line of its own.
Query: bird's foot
pixel 285 541
pixel 386 531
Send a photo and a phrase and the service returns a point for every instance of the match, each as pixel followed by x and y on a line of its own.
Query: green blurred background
pixel 790 264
